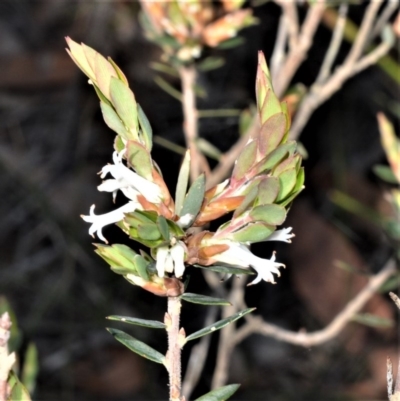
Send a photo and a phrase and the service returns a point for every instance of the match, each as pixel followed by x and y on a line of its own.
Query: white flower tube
pixel 240 255
pixel 284 235
pixel 101 220
pixel 162 254
pixel 130 183
pixel 178 256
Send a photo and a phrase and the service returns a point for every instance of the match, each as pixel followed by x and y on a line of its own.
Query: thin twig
pixel 174 348
pixel 278 55
pixel 256 325
pixel 190 123
pixel 198 357
pixel 226 345
pixel 318 94
pixel 391 7
pixel 291 20
pixel 299 52
pixel 334 45
pixel 363 33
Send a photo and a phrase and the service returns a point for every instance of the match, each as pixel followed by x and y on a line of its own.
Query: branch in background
pixel 190 123
pixel 298 52
pixel 278 55
pixel 321 90
pixel 393 389
pixel 198 357
pixel 6 360
pixel 334 45
pixel 256 325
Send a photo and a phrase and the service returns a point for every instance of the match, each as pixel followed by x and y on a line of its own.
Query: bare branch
pixel 299 52
pixel 256 325
pixel 198 357
pixel 334 46
pixel 291 19
pixel 363 33
pixel 391 7
pixel 278 55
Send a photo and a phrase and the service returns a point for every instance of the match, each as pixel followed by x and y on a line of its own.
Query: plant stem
pixel 175 341
pixel 190 116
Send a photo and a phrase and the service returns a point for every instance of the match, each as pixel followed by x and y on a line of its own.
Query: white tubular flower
pixel 101 220
pixel 130 183
pixel 240 255
pixel 162 254
pixel 284 235
pixel 178 256
pixel 170 260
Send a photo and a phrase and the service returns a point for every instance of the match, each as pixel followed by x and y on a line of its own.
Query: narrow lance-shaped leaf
pixel 162 225
pixel 203 299
pixel 125 105
pixel 194 199
pixel 183 180
pixel 219 325
pixel 113 121
pixel 220 394
pixel 226 269
pixel 145 126
pixel 152 324
pixel 137 346
pixel 141 266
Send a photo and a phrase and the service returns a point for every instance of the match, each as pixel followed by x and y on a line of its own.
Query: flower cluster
pixel 182 28
pixel 266 178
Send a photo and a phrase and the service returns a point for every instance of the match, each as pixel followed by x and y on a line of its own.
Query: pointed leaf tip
pixel 220 394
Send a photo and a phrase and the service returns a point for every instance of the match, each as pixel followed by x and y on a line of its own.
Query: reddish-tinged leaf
pixel 254 232
pixel 273 215
pixel 212 250
pixel 104 71
pixel 246 160
pixel 217 209
pixel 287 182
pixel 268 190
pixel 289 163
pixel 270 106
pixel 272 133
pixel 139 158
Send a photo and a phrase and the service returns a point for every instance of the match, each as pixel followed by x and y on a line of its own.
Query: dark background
pixel 53 142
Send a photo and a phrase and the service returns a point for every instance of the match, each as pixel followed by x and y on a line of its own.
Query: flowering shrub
pixel 266 178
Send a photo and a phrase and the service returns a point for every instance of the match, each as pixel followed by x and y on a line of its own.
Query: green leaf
pixel 118 256
pixel 30 368
pixel 220 394
pixel 113 121
pixel 152 324
pixel 125 104
pixel 104 71
pixel 203 299
pixel 208 149
pixel 163 84
pixel 18 391
pixel 163 227
pixel 270 106
pixel 371 320
pixel 118 70
pixel 268 190
pixel 253 232
pixel 210 63
pixel 148 232
pixel 246 160
pixel 183 180
pixel 166 69
pixel 271 133
pixel 194 199
pixel 218 325
pixel 139 158
pixel 385 173
pixel 226 269
pixel 137 346
pixel 287 181
pixel 273 215
pixel 145 126
pixel 231 43
pixel 248 201
pixel 276 156
pixel 141 267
